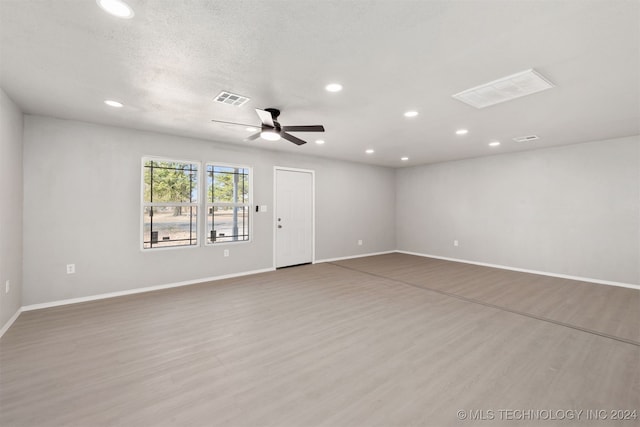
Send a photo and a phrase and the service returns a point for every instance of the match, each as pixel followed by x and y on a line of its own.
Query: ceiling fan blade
pixel 312 128
pixel 252 137
pixel 232 123
pixel 292 138
pixel 266 118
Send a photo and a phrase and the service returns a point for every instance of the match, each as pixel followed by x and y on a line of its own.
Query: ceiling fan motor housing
pixel 274 112
pixel 274 115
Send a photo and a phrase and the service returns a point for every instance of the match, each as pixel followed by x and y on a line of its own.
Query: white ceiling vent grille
pixel 504 89
pixel 526 138
pixel 231 99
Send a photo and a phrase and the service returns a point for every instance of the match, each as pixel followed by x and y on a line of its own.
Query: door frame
pixel 313 208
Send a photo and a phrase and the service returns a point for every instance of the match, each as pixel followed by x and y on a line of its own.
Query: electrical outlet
pixel 7 287
pixel 359 242
pixel 226 252
pixel 455 243
pixel 71 268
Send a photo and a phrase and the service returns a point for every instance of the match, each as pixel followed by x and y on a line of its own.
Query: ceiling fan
pixel 271 130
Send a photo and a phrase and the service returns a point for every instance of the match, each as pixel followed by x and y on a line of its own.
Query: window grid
pixel 152 207
pixel 239 205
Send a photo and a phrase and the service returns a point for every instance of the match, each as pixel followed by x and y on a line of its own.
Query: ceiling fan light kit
pixel 271 130
pixel 270 135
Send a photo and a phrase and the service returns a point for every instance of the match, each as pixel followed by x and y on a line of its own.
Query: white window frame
pixel 208 204
pixel 144 204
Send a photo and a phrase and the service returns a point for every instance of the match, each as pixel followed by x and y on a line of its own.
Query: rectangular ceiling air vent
pixel 526 138
pixel 231 99
pixel 504 89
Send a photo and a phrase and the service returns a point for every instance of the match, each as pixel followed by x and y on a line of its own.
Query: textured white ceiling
pixel 63 58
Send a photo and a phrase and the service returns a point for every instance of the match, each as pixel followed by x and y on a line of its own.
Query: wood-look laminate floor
pixel 393 340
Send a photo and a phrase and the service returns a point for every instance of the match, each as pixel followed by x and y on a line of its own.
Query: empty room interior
pixel 319 213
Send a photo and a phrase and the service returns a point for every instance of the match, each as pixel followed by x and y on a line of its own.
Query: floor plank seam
pixel 497 307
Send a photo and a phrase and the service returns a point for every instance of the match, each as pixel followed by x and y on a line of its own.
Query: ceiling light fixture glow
pixel 369 151
pixel 404 159
pixel 462 132
pixel 333 87
pixel 112 103
pixel 116 8
pixel 411 114
pixel 270 135
pixel 494 144
pixel 319 141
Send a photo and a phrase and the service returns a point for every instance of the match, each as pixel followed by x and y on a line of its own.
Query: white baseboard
pixel 524 270
pixel 7 325
pixel 139 290
pixel 353 256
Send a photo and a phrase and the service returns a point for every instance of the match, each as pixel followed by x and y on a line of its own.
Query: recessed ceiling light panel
pixel 404 159
pixel 369 151
pixel 462 132
pixel 411 114
pixel 333 87
pixel 494 144
pixel 504 89
pixel 112 103
pixel 319 141
pixel 231 99
pixel 116 8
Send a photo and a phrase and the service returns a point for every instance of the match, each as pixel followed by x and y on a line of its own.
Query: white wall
pixel 571 210
pixel 11 125
pixel 82 206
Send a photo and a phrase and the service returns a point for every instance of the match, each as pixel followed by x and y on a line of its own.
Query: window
pixel 169 203
pixel 228 203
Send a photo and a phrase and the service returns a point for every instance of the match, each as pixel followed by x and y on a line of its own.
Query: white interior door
pixel 294 217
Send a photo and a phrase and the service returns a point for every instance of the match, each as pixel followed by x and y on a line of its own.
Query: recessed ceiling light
pixel 250 129
pixel 112 103
pixel 404 159
pixel 270 135
pixel 462 132
pixel 494 144
pixel 333 87
pixel 411 114
pixel 369 151
pixel 319 141
pixel 116 8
